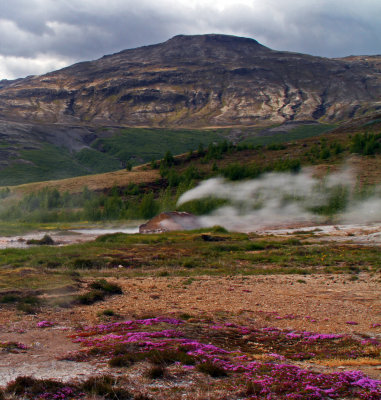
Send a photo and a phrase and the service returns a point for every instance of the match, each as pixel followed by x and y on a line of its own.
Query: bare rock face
pixel 193 81
pixel 170 221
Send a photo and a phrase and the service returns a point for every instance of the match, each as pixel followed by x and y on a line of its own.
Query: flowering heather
pixel 12 346
pixel 45 324
pixel 229 348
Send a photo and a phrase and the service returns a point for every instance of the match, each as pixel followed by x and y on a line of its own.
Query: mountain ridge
pixel 198 81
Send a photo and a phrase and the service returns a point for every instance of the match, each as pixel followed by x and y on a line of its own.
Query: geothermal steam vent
pixel 170 221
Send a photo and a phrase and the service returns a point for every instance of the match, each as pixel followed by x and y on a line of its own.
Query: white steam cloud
pixel 283 198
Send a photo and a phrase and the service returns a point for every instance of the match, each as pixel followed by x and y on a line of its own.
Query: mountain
pixel 198 81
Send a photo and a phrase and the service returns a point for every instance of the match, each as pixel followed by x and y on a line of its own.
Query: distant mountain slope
pixel 194 81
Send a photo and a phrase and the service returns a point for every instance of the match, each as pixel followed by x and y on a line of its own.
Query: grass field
pixel 182 254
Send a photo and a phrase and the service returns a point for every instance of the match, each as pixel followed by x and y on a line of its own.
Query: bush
pixel 108 313
pixel 91 297
pixel 81 263
pixel 24 385
pixel 4 193
pixel 99 290
pixel 156 372
pixel 148 206
pixel 168 160
pixel 105 386
pixel 128 166
pixel 211 369
pixel 167 357
pixel 365 144
pixel 46 240
pixel 106 287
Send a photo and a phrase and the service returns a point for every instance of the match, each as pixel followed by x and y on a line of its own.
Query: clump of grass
pixel 25 303
pixel 9 299
pixel 252 389
pixel 156 372
pixel 81 263
pixel 211 369
pixel 99 385
pixel 125 357
pixel 31 387
pixel 90 297
pixel 99 290
pixel 168 357
pixel 105 386
pixel 106 287
pixel 107 313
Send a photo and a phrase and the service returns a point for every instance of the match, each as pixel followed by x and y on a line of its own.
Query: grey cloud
pixel 74 30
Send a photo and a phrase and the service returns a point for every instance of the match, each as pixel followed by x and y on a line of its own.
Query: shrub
pixel 121 361
pixel 46 240
pixel 167 357
pixel 24 385
pixel 90 297
pixel 108 313
pixel 276 146
pixel 106 287
pixel 81 263
pixel 105 386
pixel 365 144
pixel 156 372
pixel 99 290
pixel 148 206
pixel 9 298
pixel 168 159
pixel 4 193
pixel 132 189
pixel 211 369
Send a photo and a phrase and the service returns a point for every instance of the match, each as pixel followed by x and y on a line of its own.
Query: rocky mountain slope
pixel 193 81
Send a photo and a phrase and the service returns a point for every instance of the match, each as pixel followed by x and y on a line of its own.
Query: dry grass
pixel 96 182
pixel 358 362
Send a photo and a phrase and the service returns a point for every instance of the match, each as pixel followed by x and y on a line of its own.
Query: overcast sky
pixel 37 36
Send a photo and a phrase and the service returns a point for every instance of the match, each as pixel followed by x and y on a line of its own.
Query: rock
pixel 170 221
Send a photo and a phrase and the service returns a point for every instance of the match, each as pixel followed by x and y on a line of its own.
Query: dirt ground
pixel 319 303
pixel 316 303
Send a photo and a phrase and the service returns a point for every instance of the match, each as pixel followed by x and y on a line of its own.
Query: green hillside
pixel 113 149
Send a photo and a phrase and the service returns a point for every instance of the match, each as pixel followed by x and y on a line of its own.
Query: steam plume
pixel 285 198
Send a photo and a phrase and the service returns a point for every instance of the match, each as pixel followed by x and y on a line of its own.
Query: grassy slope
pixel 368 168
pixel 299 132
pixel 128 145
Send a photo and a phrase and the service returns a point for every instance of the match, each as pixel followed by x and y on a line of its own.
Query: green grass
pixel 143 145
pixel 96 161
pixel 107 154
pixel 300 132
pixel 49 162
pixel 179 254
